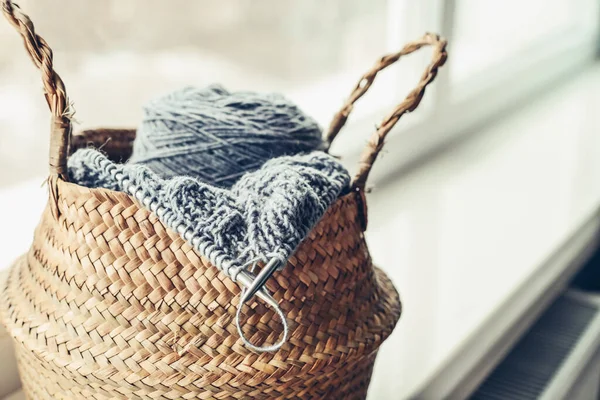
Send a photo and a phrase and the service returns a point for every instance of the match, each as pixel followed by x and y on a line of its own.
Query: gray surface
pixel 528 369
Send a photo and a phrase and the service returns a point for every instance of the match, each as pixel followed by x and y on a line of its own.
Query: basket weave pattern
pixel 109 303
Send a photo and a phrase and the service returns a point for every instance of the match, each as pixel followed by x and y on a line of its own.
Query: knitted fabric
pixel 264 215
pixel 218 136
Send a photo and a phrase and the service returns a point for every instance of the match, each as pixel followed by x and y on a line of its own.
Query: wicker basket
pixel 111 304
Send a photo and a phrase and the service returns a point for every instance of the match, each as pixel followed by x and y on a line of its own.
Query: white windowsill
pixel 480 239
pixel 476 241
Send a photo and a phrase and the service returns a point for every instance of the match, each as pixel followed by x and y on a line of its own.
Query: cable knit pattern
pixel 265 215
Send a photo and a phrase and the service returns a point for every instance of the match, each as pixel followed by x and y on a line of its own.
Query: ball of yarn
pixel 218 136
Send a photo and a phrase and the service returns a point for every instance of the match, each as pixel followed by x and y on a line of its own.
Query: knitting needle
pixel 258 283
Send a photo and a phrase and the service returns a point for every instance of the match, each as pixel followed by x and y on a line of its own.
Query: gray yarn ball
pixel 217 136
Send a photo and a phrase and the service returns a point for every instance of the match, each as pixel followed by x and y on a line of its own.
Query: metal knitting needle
pixel 255 286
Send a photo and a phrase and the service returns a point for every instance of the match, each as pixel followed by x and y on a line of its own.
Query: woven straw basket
pixel 111 304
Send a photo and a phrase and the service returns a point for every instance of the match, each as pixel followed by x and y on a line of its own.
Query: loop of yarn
pixel 264 348
pixel 217 136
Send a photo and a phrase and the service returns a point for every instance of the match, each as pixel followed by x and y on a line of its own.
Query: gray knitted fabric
pixel 238 175
pixel 264 215
pixel 218 136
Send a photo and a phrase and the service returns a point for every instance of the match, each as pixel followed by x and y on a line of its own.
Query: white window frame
pixel 452 112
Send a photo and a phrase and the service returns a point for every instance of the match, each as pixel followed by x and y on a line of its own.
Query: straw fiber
pixel 110 304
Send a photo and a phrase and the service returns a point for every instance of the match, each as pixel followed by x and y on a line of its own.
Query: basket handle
pixel 409 104
pixel 54 90
pixel 56 96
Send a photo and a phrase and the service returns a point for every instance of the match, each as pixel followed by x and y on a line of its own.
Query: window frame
pixel 453 111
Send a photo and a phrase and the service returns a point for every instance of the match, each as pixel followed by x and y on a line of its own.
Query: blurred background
pixel 477 194
pixel 116 55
